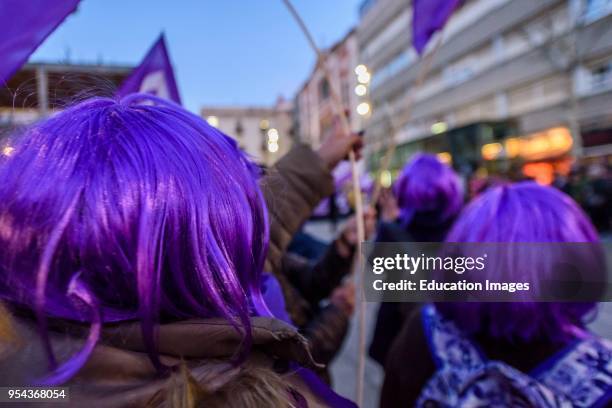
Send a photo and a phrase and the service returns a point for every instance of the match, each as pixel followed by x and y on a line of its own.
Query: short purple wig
pixel 521 212
pixel 129 210
pixel 426 186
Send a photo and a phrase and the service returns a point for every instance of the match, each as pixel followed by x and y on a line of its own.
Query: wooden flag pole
pixel 423 72
pixel 346 128
pixel 386 161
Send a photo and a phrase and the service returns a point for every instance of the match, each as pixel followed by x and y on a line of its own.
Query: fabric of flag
pixel 24 25
pixel 154 75
pixel 429 16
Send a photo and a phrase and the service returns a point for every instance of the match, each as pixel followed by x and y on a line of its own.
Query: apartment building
pixel 38 89
pixel 315 110
pixel 512 83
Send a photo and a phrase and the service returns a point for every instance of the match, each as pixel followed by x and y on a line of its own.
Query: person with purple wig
pixel 513 353
pixel 429 197
pixel 422 206
pixel 133 240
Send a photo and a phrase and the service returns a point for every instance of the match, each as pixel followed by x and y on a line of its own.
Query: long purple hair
pixel 129 210
pixel 428 189
pixel 521 212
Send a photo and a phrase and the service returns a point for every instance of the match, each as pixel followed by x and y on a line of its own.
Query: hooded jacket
pixel 200 355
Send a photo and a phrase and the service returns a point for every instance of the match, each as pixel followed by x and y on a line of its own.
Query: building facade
pixel 512 83
pixel 315 110
pixel 265 133
pixel 39 89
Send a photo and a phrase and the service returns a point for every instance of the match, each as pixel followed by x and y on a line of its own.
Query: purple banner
pixel 24 25
pixel 154 75
pixel 429 16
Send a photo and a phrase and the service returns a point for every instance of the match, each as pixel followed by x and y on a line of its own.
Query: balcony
pixel 593 81
pixel 496 22
pixel 401 61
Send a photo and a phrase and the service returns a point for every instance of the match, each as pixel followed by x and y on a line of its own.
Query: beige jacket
pixel 119 372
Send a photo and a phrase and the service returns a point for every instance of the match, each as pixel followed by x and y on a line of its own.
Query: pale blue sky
pixel 224 52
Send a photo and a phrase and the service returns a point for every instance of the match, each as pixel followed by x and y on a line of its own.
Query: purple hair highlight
pixel 522 212
pixel 138 209
pixel 428 186
pixel 82 294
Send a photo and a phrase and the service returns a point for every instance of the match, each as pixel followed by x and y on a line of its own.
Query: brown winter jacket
pixel 292 189
pixel 119 373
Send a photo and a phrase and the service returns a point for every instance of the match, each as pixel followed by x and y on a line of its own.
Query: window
pixel 602 76
pixel 323 89
pixel 602 72
pixel 239 129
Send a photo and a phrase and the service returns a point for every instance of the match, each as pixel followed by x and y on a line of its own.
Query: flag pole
pixel 339 107
pixel 393 128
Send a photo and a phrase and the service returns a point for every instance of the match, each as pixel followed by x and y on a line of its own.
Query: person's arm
pixel 327 330
pixel 316 281
pixel 387 206
pixel 296 184
pixel 326 333
pixel 292 188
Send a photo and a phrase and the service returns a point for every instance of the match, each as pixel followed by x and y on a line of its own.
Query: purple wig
pixel 521 212
pixel 428 189
pixel 129 210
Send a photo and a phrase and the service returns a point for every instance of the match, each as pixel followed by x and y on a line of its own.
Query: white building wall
pixel 250 120
pixel 316 113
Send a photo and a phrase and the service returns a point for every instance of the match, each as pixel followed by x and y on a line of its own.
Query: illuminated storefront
pixel 541 154
pixel 492 148
pixel 459 147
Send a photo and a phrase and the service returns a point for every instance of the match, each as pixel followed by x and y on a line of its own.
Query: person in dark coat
pixel 508 353
pixel 424 202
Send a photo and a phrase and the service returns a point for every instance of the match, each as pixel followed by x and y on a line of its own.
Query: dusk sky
pixel 224 52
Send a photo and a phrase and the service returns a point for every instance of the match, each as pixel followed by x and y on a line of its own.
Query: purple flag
pixel 24 25
pixel 154 75
pixel 429 16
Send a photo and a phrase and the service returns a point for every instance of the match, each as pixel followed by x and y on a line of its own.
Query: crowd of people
pixel 590 184
pixel 475 354
pixel 145 262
